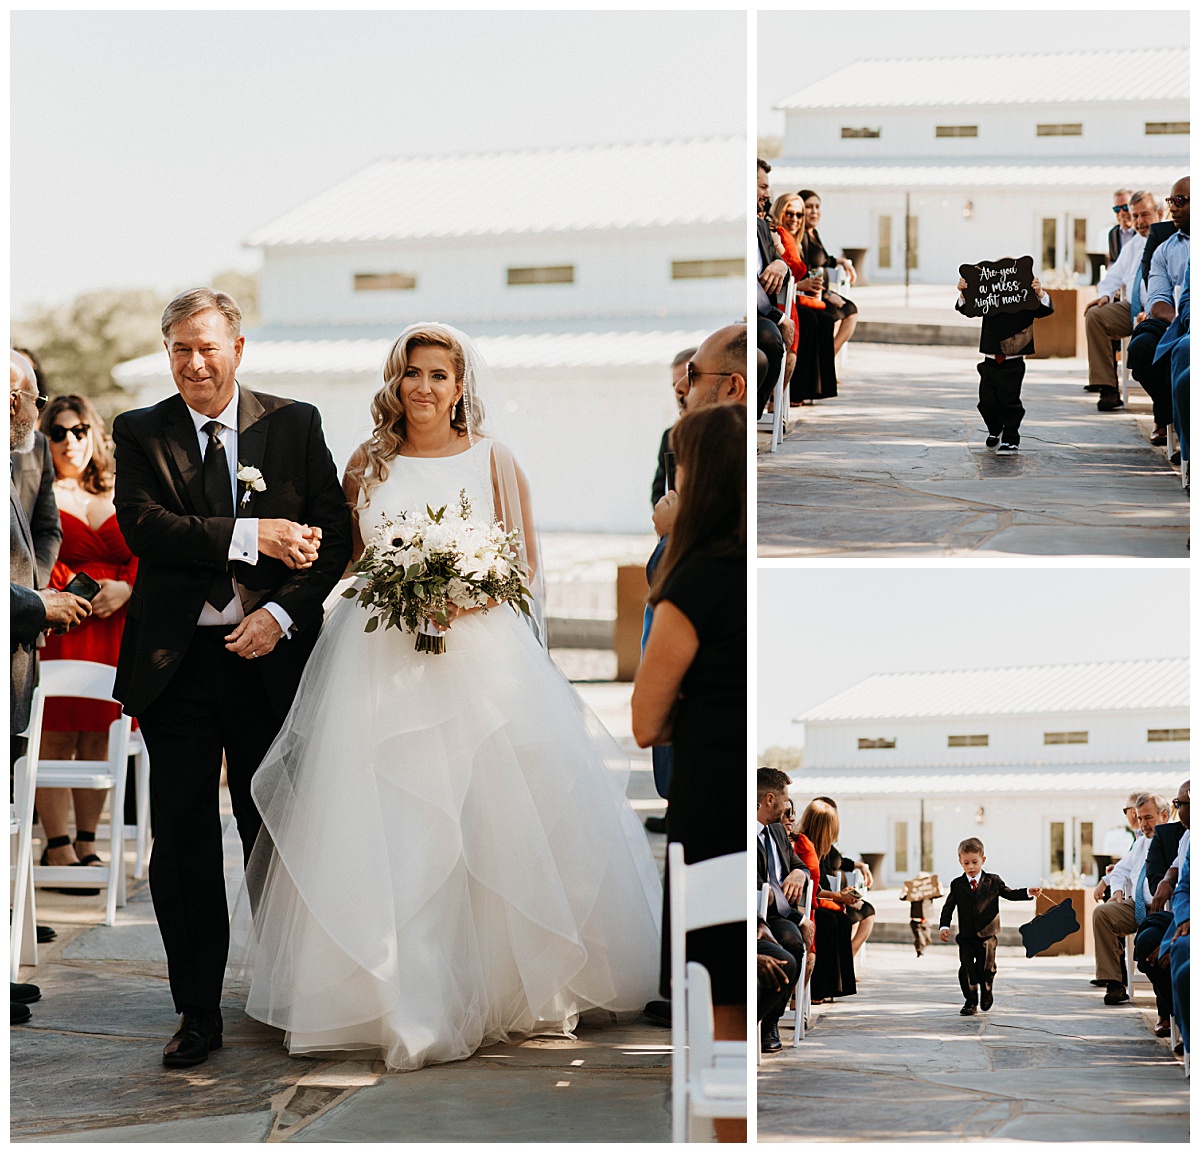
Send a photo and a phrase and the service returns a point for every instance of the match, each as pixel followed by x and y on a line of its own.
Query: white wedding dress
pixel 454 859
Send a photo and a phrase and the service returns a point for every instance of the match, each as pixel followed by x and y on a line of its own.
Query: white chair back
pixel 23 933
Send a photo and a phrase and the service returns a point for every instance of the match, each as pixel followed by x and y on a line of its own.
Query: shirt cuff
pixel 243 545
pixel 282 616
pixel 1045 299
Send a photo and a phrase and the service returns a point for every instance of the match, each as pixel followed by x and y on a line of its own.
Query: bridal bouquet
pixel 417 565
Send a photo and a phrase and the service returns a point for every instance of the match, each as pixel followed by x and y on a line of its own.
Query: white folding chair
pixel 777 422
pixel 708 1077
pixel 22 942
pixel 90 681
pixel 1125 378
pixel 1131 969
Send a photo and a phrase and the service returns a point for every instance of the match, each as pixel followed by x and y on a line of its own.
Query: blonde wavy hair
pixel 370 464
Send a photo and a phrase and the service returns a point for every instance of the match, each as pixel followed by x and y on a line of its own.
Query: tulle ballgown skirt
pixel 448 857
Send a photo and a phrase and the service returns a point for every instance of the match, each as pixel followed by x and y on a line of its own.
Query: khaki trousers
pixel 1111 923
pixel 1105 323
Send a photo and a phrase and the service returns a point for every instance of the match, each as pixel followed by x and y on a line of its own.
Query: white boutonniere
pixel 251 480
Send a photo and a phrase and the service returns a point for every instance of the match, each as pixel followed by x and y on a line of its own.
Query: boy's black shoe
pixel 992 440
pixel 985 999
pixel 1110 400
pixel 1116 994
pixel 1007 448
pixel 967 1010
pixel 19 1013
pixel 24 994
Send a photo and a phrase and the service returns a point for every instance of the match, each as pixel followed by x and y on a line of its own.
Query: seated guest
pixel 861 913
pixel 1130 901
pixel 1168 265
pixel 32 475
pixel 1175 951
pixel 772 277
pixel 1106 318
pixel 780 870
pixel 833 970
pixel 844 312
pixel 778 973
pixel 1123 231
pixel 1175 348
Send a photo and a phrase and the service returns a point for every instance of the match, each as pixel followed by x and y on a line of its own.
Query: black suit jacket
pixel 787 855
pixel 766 249
pixel 27 614
pixel 1114 243
pixel 1164 847
pixel 164 517
pixel 33 476
pixel 979 911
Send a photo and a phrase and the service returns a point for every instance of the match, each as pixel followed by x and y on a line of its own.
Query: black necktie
pixel 220 503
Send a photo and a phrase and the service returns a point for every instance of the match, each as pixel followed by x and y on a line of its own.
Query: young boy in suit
pixel 976 895
pixel 1005 339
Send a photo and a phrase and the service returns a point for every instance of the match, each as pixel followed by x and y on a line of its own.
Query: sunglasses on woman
pixel 58 433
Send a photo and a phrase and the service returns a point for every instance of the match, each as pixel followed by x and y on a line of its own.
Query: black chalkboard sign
pixel 998 286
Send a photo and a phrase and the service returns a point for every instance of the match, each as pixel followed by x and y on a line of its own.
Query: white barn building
pixel 988 155
pixel 1037 762
pixel 580 271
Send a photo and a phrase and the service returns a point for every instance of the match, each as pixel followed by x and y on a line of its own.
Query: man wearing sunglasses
pixel 1168 267
pixel 32 471
pixel 1123 231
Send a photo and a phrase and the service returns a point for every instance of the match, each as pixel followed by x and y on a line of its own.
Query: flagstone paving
pixel 1049 1062
pixel 896 466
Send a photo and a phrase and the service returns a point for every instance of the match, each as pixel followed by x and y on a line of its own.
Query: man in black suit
pixel 1162 873
pixel 231 502
pixel 772 276
pixel 1122 232
pixel 976 895
pixel 780 870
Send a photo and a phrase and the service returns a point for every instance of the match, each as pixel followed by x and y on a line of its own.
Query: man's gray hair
pixel 201 300
pixel 1161 804
pixel 1124 192
pixel 1137 197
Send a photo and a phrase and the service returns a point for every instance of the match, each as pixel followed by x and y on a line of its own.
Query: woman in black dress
pixel 690 688
pixel 833 973
pixel 842 311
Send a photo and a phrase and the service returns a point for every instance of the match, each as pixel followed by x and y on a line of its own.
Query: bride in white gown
pixel 451 858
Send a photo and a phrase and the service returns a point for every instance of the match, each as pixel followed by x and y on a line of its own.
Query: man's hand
pixel 256 636
pixel 793 888
pixel 295 544
pixel 787 327
pixel 808 933
pixel 773 276
pixel 1093 303
pixel 944 935
pixel 1138 319
pixel 63 610
pixel 1184 930
pixel 1116 895
pixel 112 595
pixel 1098 891
pixel 1161 896
pixel 772 971
pixel 664 512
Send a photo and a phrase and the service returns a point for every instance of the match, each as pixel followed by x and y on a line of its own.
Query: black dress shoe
pixel 985 999
pixel 968 1011
pixel 20 1013
pixel 1097 981
pixel 655 824
pixel 770 1038
pixel 25 994
pixel 1116 994
pixel 45 934
pixel 659 1012
pixel 197 1036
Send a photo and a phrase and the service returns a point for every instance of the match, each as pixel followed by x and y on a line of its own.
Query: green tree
pixel 789 760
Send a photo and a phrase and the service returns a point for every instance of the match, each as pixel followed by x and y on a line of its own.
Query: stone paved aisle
pixel 896 466
pixel 1050 1062
pixel 88 1065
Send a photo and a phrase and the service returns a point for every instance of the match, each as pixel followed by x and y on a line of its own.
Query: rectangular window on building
pixel 1156 736
pixel 707 269
pixel 876 742
pixel 1060 129
pixel 945 130
pixel 911 245
pixel 926 846
pixel 1073 738
pixel 901 834
pixel 1168 127
pixel 1087 844
pixel 971 741
pixel 885 242
pixel 1079 262
pixel 384 281
pixel 1049 243
pixel 1058 846
pixel 860 133
pixel 549 274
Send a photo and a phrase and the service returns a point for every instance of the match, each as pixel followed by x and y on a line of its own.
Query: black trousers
pixel 215 703
pixel 976 965
pixel 815 374
pixel 1148 939
pixel 771 1001
pixel 921 937
pixel 1000 396
pixel 1154 378
pixel 770 343
pixel 833 971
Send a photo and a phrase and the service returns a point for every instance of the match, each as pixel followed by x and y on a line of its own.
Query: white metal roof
pixel 1140 74
pixel 1156 778
pixel 364 358
pixel 1102 687
pixel 667 183
pixel 851 178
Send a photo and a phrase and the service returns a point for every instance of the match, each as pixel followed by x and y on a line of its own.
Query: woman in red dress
pixel 92 543
pixel 783 220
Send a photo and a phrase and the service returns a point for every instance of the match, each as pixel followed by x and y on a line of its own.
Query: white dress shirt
pixel 773 849
pixel 1184 841
pixel 244 544
pixel 1122 270
pixel 1127 870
